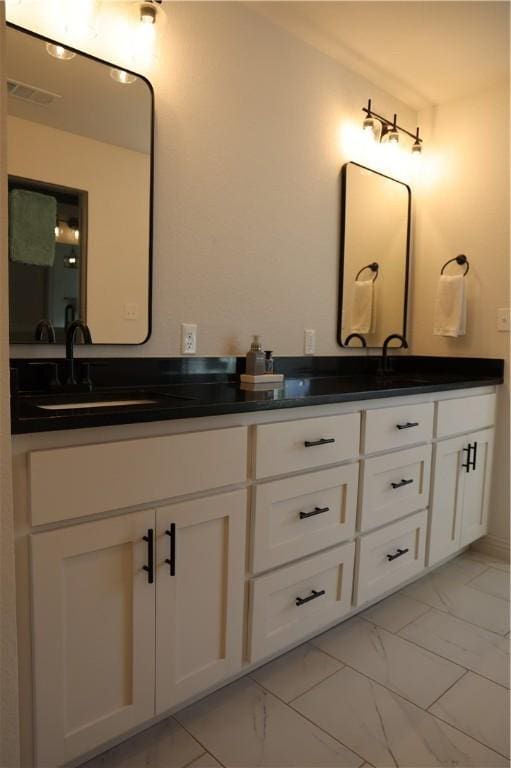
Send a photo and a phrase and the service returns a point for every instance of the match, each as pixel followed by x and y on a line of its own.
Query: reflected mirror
pixel 375 241
pixel 79 163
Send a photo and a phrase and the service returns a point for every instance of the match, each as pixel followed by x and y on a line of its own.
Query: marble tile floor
pixel 419 680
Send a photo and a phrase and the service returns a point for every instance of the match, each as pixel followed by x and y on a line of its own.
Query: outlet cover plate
pixel 188 338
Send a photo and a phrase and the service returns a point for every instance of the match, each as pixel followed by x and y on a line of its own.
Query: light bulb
pixel 57 231
pixel 77 234
pixel 369 127
pixel 121 76
pixel 148 13
pixel 59 52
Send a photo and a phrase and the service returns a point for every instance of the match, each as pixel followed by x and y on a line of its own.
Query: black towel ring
pixel 374 267
pixel 461 259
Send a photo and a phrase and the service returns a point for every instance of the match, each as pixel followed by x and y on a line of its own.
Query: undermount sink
pixel 94 404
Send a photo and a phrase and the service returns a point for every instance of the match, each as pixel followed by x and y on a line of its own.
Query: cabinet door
pixel 446 499
pixel 477 482
pixel 93 629
pixel 199 595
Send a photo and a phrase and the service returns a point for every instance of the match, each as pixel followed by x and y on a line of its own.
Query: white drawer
pixel 279 618
pixel 87 479
pixel 378 569
pixel 393 485
pixel 386 429
pixel 464 414
pixel 293 446
pixel 303 514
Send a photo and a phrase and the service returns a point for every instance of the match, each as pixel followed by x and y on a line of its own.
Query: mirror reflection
pixel 79 165
pixel 373 277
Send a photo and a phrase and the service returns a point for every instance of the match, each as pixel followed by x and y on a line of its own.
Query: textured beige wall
pixel 9 746
pixel 466 210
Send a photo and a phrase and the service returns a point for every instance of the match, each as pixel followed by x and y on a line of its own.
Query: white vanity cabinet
pixel 266 530
pixel 200 573
pixel 461 481
pixel 93 634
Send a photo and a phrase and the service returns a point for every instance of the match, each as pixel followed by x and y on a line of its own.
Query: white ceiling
pixel 424 52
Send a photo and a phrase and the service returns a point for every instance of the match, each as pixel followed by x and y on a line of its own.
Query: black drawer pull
pixel 323 441
pixel 315 511
pixel 399 553
pixel 402 482
pixel 314 594
pixel 150 555
pixel 474 457
pixel 172 559
pixel 468 450
pixel 407 425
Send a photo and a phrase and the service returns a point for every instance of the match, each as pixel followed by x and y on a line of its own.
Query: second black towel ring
pixel 461 259
pixel 373 266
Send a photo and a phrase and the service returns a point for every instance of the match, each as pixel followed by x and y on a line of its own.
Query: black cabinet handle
pixel 399 553
pixel 314 594
pixel 171 560
pixel 468 450
pixel 407 425
pixel 474 457
pixel 315 511
pixel 323 441
pixel 402 482
pixel 150 555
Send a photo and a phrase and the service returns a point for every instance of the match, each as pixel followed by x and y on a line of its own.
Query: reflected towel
pixel 362 309
pixel 450 317
pixel 32 218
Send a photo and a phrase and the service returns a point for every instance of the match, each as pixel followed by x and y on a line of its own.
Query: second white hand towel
pixel 450 317
pixel 362 307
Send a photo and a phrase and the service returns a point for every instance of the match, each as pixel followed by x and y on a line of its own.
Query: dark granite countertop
pixel 178 388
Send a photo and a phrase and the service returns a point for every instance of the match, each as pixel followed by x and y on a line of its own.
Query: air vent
pixel 31 93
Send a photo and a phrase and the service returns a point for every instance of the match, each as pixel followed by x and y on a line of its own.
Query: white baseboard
pixel 494 546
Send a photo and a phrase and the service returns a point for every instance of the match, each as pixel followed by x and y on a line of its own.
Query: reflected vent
pixel 31 93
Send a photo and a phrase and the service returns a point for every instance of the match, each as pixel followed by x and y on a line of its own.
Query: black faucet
pixel 70 340
pixel 45 328
pixel 354 336
pixel 384 363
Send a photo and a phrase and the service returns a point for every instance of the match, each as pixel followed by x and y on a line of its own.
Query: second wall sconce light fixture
pixel 388 129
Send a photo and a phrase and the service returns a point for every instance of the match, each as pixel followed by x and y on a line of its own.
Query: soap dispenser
pixel 255 359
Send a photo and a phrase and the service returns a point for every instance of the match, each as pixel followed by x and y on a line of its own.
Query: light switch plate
pixel 503 319
pixel 309 341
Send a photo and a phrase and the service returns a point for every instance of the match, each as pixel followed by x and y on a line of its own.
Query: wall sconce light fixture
pixel 388 129
pixel 148 11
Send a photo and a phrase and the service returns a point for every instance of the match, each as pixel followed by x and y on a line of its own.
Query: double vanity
pixel 174 530
pixel 166 547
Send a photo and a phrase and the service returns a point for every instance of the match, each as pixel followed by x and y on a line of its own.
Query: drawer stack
pixel 300 516
pixel 393 486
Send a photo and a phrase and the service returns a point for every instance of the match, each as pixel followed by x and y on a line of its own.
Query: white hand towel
pixel 450 317
pixel 362 307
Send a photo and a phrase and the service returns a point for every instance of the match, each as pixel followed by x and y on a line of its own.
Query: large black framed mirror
pixel 80 171
pixel 374 255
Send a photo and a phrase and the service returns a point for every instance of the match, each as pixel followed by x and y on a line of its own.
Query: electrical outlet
pixel 309 341
pixel 188 338
pixel 503 319
pixel 131 311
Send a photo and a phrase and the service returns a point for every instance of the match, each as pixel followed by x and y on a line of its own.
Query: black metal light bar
pixel 391 124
